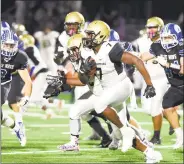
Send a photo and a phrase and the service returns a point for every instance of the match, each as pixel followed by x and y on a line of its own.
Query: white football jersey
pixel 47 41
pixel 37 56
pixel 41 63
pixel 155 70
pixel 108 72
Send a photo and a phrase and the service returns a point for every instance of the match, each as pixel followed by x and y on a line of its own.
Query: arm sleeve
pixel 116 53
pixel 30 53
pixel 23 60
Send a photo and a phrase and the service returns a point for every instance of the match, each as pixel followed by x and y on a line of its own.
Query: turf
pixel 44 135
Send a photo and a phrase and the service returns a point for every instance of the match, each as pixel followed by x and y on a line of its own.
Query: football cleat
pixel 20 133
pixel 105 142
pixel 153 157
pixel 71 146
pixel 114 144
pixel 156 141
pixel 128 136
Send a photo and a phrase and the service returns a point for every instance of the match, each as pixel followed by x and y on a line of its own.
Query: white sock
pixel 18 117
pixel 8 121
pixel 178 131
pixel 74 139
pixel 148 151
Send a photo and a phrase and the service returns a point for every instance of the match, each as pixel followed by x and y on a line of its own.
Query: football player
pixel 13 60
pixel 106 90
pixel 74 24
pixel 169 53
pixel 153 106
pixel 38 70
pixel 47 40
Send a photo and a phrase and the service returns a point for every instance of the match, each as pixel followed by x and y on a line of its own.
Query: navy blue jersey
pixel 173 56
pixel 17 62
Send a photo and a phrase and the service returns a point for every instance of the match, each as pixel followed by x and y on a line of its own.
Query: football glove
pixel 52 91
pixel 88 65
pixel 149 91
pixel 54 84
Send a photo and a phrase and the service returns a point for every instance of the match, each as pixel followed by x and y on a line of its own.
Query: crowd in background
pixel 124 17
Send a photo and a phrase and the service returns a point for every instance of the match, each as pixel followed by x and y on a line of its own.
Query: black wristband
pixel 66 87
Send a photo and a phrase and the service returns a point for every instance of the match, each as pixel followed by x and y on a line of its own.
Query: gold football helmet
pixel 74 23
pixel 153 27
pixel 28 40
pixel 74 46
pixel 19 29
pixel 97 33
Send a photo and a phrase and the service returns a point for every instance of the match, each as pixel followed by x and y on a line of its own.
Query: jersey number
pixel 99 73
pixel 3 73
pixel 46 43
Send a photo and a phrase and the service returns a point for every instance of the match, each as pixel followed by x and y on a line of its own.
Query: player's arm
pixel 181 65
pixel 118 55
pixel 145 56
pixel 27 89
pixel 73 79
pixel 129 58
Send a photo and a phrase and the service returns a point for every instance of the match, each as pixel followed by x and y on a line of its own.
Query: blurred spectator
pixel 20 9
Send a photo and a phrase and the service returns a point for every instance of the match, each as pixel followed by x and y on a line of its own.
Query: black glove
pixel 88 65
pixel 52 91
pixel 58 58
pixel 149 91
pixel 55 84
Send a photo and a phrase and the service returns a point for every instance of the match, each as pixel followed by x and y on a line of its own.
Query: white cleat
pixel 114 144
pixel 20 133
pixel 69 147
pixel 152 156
pixel 128 136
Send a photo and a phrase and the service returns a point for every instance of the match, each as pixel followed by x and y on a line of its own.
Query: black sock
pixel 96 125
pixel 75 135
pixel 157 133
pixel 104 118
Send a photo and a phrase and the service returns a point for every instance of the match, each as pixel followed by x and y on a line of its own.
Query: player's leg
pixel 14 97
pixel 79 108
pixel 83 92
pixel 172 98
pixel 116 94
pixel 112 95
pixel 96 125
pixel 5 119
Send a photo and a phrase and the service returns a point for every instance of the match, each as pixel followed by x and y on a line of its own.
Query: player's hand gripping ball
pixel 90 66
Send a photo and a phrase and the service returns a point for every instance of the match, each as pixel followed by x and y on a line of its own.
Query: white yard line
pixel 67 125
pixel 81 149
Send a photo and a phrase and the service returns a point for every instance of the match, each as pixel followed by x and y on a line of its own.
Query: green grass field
pixel 43 136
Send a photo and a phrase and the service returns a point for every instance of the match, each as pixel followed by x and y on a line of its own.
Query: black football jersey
pixel 173 56
pixel 17 62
